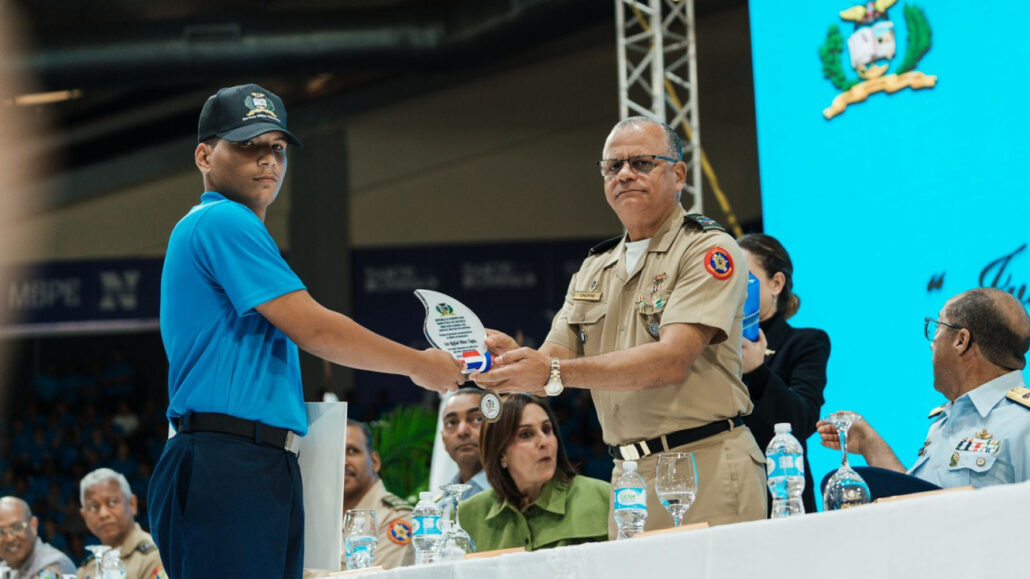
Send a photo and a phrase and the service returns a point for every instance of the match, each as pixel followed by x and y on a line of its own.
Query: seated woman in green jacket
pixel 537 501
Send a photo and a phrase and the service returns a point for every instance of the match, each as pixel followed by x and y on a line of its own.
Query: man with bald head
pixel 652 326
pixel 22 551
pixel 981 437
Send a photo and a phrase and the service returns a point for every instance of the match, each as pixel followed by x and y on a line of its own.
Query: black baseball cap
pixel 238 113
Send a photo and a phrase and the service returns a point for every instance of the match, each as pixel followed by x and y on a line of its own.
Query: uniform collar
pixel 987 395
pixel 551 499
pixel 662 239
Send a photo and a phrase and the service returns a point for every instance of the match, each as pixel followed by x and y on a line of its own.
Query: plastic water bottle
pixel 112 566
pixel 630 501
pixel 426 534
pixel 785 466
pixel 360 550
pixel 751 307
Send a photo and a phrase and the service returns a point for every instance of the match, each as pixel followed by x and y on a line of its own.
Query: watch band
pixel 554 384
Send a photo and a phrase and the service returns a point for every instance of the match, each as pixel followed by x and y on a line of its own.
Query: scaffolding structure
pixel 657 60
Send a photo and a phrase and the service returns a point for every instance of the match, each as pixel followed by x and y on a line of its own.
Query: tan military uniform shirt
pixel 393 517
pixel 689 275
pixel 139 553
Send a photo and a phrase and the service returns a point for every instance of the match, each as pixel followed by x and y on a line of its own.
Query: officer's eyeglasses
pixel 641 165
pixel 15 529
pixel 930 327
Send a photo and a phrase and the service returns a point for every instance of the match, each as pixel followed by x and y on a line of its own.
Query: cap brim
pixel 250 131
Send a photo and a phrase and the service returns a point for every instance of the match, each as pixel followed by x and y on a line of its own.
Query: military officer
pixel 109 510
pixel 24 554
pixel 981 437
pixel 363 489
pixel 652 325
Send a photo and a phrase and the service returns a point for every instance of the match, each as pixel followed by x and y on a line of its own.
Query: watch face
pixel 554 388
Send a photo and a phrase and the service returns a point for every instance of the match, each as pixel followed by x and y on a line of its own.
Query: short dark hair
pixel 494 439
pixel 367 431
pixel 773 258
pixel 1003 339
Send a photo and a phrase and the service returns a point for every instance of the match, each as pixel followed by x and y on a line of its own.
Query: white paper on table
pixel 321 468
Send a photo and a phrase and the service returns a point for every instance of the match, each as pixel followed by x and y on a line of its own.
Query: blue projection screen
pixel 892 204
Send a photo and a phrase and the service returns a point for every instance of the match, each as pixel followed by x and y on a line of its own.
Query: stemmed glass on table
pixel 454 532
pixel 98 556
pixel 676 483
pixel 845 489
pixel 360 537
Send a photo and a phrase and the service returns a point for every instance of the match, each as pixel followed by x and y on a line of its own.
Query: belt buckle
pixel 631 452
pixel 293 442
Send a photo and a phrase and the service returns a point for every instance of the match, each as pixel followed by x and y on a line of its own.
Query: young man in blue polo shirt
pixel 225 497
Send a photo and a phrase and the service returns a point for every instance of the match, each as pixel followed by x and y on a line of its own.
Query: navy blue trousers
pixel 224 506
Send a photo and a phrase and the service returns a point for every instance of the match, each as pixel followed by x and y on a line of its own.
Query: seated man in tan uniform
pixel 652 325
pixel 109 510
pixel 363 489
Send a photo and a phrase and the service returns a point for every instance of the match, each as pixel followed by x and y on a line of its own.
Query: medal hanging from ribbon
pixel 454 328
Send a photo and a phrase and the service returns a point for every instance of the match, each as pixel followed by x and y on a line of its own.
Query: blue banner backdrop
pixel 895 203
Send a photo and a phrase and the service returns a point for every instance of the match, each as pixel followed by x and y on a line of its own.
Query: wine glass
pixel 454 532
pixel 98 555
pixel 359 537
pixel 845 489
pixel 676 483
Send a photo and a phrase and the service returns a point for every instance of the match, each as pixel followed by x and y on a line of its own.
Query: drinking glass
pixel 359 537
pixel 98 555
pixel 454 532
pixel 676 483
pixel 845 489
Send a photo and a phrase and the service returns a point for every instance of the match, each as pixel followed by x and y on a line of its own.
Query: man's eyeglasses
pixel 641 165
pixel 15 529
pixel 930 327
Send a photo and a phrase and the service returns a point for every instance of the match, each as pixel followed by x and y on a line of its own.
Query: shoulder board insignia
pixel 1020 396
pixel 936 411
pixel 706 223
pixel 605 245
pixel 397 503
pixel 146 547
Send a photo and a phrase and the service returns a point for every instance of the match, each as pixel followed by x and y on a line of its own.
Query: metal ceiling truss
pixel 657 61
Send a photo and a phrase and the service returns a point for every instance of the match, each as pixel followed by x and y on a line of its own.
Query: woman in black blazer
pixel 785 371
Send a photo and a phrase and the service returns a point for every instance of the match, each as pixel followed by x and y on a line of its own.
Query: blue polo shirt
pixel 223 356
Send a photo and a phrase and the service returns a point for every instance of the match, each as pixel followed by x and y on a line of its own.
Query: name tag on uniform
pixel 587 296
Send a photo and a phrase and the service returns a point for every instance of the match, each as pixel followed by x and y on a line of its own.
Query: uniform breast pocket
pixel 587 320
pixel 977 462
pixel 650 310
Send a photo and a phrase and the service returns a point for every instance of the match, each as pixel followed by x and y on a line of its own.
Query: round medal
pixel 490 406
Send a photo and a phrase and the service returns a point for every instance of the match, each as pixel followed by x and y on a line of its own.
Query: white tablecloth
pixel 980 533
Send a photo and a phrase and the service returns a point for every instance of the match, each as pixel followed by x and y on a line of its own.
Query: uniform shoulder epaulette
pixel 705 223
pixel 1019 396
pixel 605 245
pixel 937 411
pixel 397 503
pixel 145 547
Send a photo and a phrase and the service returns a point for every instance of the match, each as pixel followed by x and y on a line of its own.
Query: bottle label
pixel 785 464
pixel 425 525
pixel 630 498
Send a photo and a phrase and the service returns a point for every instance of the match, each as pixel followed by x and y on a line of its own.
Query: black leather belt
pixel 224 424
pixel 638 450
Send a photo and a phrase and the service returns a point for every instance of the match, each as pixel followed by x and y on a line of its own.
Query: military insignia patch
pixel 719 263
pixel 400 532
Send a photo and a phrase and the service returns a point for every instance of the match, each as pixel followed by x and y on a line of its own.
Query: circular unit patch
pixel 719 263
